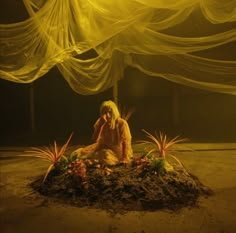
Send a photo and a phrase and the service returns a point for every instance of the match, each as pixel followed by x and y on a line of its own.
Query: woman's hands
pixel 104 118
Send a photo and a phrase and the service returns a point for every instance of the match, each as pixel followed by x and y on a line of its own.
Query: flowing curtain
pixel 162 38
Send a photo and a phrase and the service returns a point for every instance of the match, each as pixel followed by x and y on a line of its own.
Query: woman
pixel 112 137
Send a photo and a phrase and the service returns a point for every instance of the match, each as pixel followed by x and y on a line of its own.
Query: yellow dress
pixel 112 145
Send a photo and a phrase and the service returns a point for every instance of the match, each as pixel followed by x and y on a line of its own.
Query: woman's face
pixel 107 114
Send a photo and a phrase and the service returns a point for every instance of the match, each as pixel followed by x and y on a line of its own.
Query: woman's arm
pixel 98 128
pixel 125 141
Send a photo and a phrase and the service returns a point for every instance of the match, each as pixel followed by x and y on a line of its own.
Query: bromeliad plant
pixel 126 113
pixel 161 148
pixel 52 154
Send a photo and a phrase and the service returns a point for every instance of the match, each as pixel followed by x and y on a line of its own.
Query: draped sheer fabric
pixel 121 33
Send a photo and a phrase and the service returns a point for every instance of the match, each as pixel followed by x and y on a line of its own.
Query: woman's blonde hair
pixel 114 109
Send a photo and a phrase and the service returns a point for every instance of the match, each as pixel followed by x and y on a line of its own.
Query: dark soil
pixel 124 188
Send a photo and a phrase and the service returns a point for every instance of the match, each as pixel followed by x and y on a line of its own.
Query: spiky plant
pixel 162 147
pixel 52 154
pixel 126 114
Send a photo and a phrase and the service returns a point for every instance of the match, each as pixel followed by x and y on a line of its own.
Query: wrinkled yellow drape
pixel 136 33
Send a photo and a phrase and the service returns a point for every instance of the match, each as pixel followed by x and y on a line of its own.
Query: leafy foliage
pixel 77 168
pixel 65 161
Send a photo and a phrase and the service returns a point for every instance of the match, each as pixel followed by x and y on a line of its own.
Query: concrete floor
pixel 23 211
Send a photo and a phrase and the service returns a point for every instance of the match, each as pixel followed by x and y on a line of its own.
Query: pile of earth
pixel 124 187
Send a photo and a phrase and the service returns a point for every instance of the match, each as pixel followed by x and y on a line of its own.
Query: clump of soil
pixel 124 187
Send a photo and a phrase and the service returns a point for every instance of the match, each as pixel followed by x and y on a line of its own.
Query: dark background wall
pixel 199 115
pixel 159 105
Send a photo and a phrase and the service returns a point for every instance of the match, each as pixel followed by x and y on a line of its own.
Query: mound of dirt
pixel 124 187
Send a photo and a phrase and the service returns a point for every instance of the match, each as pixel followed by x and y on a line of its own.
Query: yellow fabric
pixel 163 38
pixel 111 144
pixel 117 139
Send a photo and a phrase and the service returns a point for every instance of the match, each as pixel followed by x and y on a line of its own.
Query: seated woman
pixel 112 137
